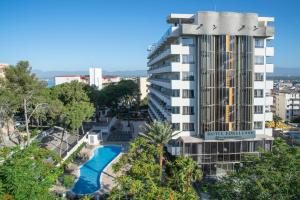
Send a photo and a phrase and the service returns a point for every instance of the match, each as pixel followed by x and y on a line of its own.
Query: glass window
pixel 187 76
pixel 175 93
pixel 259 93
pixel 187 41
pixel 175 110
pixel 176 126
pixel 259 43
pixel 258 125
pixel 258 109
pixel 188 126
pixel 258 76
pixel 187 110
pixel 187 93
pixel 259 60
pixel 188 59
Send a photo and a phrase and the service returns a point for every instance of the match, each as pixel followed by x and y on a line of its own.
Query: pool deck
pixel 107 178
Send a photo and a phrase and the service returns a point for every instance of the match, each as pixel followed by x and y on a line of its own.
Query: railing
pixel 166 34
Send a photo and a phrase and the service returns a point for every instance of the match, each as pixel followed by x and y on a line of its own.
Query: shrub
pixel 68 180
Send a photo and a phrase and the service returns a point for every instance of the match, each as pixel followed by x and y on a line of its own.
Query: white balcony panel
pixel 269 100
pixel 268 116
pixel 160 83
pixel 162 110
pixel 258 117
pixel 260 132
pixel 259 51
pixel 173 67
pixel 269 85
pixel 270 51
pixel 259 101
pixel 269 68
pixel 175 49
pixel 179 118
pixel 176 101
pixel 160 95
pixel 259 84
pixel 178 84
pixel 259 68
pixel 268 131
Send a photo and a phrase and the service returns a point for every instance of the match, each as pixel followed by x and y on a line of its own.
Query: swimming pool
pixel 90 171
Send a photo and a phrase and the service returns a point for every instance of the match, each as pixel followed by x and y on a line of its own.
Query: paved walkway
pixel 107 178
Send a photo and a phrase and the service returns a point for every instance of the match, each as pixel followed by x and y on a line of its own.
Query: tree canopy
pixel 274 175
pixel 28 174
pixel 141 177
pixel 122 95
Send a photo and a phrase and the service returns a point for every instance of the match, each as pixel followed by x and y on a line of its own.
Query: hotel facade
pixel 208 79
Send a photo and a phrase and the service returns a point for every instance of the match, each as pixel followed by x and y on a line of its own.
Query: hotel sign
pixel 221 135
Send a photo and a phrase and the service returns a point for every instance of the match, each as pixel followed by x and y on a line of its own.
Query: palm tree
pixel 183 172
pixel 159 133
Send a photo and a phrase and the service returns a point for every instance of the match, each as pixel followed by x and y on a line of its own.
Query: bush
pixel 34 133
pixel 68 180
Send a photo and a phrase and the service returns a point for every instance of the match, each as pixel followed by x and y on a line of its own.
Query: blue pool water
pixel 90 172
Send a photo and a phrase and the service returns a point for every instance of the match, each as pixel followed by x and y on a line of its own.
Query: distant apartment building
pixel 2 67
pixel 287 104
pixel 208 79
pixel 69 78
pixel 107 80
pixel 94 78
pixel 143 86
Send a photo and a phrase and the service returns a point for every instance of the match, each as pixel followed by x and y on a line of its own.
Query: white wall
pixel 96 77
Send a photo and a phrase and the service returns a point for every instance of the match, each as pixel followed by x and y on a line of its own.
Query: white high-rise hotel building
pixel 208 78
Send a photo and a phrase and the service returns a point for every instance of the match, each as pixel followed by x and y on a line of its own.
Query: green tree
pixel 28 174
pixel 274 175
pixel 8 108
pixel 120 97
pixel 75 107
pixel 25 88
pixel 159 134
pixel 182 173
pixel 140 177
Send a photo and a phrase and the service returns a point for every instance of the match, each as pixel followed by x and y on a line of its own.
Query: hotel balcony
pixel 173 49
pixel 170 34
pixel 169 67
pixel 269 51
pixel 268 116
pixel 269 68
pixel 269 85
pixel 269 100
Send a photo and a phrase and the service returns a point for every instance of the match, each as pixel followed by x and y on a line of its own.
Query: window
pixel 188 127
pixel 258 109
pixel 175 93
pixel 187 41
pixel 175 110
pixel 176 126
pixel 258 76
pixel 188 59
pixel 259 43
pixel 187 110
pixel 258 125
pixel 187 93
pixel 259 60
pixel 258 93
pixel 187 76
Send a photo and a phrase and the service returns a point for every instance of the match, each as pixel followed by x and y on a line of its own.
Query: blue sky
pixel 114 34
